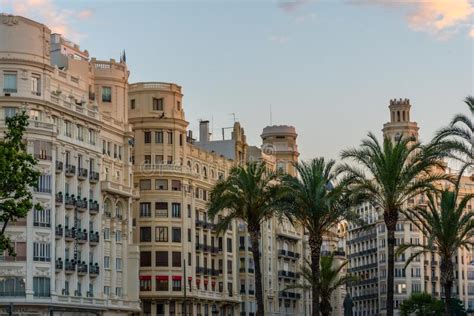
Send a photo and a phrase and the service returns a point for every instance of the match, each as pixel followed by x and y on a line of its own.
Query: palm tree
pixel 318 204
pixel 447 226
pixel 252 194
pixel 397 172
pixel 458 136
pixel 331 278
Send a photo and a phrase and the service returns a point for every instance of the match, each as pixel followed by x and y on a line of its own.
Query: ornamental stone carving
pixel 9 20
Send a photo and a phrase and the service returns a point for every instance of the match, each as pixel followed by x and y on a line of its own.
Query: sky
pixel 329 68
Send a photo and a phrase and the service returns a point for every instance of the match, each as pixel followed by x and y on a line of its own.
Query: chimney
pixel 204 131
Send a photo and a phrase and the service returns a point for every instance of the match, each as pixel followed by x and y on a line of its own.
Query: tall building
pixel 367 249
pixel 182 259
pixel 75 255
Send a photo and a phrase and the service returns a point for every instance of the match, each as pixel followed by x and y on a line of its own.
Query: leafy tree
pixel 423 304
pixel 389 175
pixel 318 203
pixel 18 174
pixel 331 278
pixel 448 226
pixel 252 194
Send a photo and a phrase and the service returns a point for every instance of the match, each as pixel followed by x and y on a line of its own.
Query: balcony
pixel 69 234
pixel 81 204
pixel 251 270
pixel 70 171
pixel 93 207
pixel 93 177
pixel 42 156
pixel 287 254
pixel 290 295
pixel 59 166
pixel 59 199
pixel 199 270
pixel 287 274
pixel 59 265
pixel 242 270
pixel 251 292
pixel 82 268
pixel 81 236
pixel 199 247
pixel 59 231
pixel 70 201
pixel 94 238
pixel 199 223
pixel 93 269
pixel 82 174
pixel 70 266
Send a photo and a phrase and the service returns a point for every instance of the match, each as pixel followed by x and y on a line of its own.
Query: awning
pixel 206 281
pixel 162 277
pixel 176 278
pixel 190 278
pixel 144 277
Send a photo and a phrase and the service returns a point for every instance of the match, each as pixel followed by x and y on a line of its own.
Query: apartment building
pixel 76 255
pixel 367 249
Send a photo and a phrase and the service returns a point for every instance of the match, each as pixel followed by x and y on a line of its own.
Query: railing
pixel 59 264
pixel 285 253
pixel 43 157
pixel 69 233
pixel 70 201
pixel 94 237
pixel 94 177
pixel 70 266
pixel 82 236
pixel 93 207
pixel 59 198
pixel 59 166
pixel 59 231
pixel 93 269
pixel 70 170
pixel 82 174
pixel 82 268
pixel 81 204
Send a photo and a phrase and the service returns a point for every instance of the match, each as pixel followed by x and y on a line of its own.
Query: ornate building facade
pixel 77 253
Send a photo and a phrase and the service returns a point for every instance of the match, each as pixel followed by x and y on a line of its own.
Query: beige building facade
pixel 76 255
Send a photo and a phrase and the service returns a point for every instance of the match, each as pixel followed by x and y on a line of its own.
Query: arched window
pixel 403 116
pixel 204 172
pixel 196 169
pixel 398 116
pixel 119 210
pixel 107 207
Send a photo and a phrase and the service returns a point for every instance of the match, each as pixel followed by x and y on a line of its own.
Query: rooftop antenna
pixel 212 126
pixel 233 114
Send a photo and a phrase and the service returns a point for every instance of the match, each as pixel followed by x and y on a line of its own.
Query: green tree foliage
pixel 423 304
pixel 18 174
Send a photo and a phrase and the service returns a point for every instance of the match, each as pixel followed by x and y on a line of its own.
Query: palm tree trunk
pixel 391 226
pixel 315 245
pixel 255 240
pixel 447 280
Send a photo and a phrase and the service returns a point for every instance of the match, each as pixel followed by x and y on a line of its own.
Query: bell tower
pixel 400 121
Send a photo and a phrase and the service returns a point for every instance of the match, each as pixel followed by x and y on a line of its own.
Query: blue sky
pixel 327 67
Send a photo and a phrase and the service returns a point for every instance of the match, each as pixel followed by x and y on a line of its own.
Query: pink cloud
pixel 290 6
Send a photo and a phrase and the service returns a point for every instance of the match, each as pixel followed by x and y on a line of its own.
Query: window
pixel 147 137
pixel 106 290
pixel 36 84
pixel 170 137
pixel 132 104
pixel 41 287
pixel 189 210
pixel 161 258
pixel 157 104
pixel 9 82
pixel 118 236
pixel 106 262
pixel 159 137
pixel 145 209
pixel 180 139
pixel 176 284
pixel 10 112
pixel 42 218
pixel 145 234
pixel 176 259
pixel 175 185
pixel 229 266
pixel 158 159
pixel 161 209
pixel 162 283
pixel 161 184
pixel 12 286
pixel 161 234
pixel 106 233
pixel 189 235
pixel 176 232
pixel 147 159
pixel 118 291
pixel 44 184
pixel 106 94
pixel 170 160
pixel 118 264
pixel 176 210
pixel 41 251
pixel 145 184
pixel 145 283
pixel 145 258
pixel 229 245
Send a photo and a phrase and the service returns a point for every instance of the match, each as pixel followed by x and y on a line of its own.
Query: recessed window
pixel 145 184
pixel 161 184
pixel 175 185
pixel 36 84
pixel 159 137
pixel 161 234
pixel 157 104
pixel 145 209
pixel 132 104
pixel 176 233
pixel 161 209
pixel 161 258
pixel 176 259
pixel 145 258
pixel 106 94
pixel 145 234
pixel 176 210
pixel 147 137
pixel 9 82
pixel 41 286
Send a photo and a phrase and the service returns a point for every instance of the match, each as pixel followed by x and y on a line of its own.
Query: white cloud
pixel 47 12
pixel 471 33
pixel 441 18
